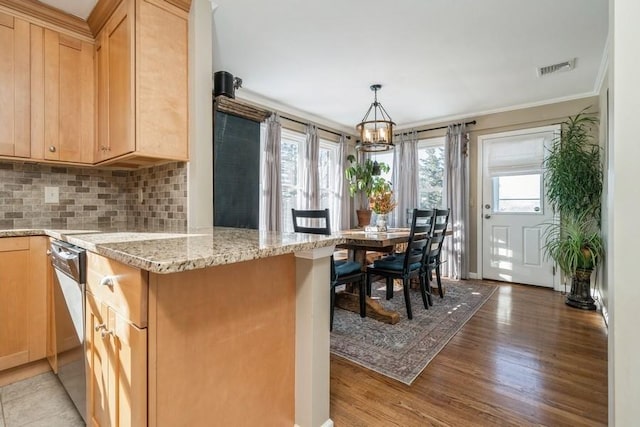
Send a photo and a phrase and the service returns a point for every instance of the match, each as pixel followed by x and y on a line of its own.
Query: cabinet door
pixel 14 314
pixel 162 80
pixel 128 375
pixel 15 137
pixel 23 310
pixel 115 68
pixel 69 98
pixel 117 368
pixel 97 363
pixel 102 104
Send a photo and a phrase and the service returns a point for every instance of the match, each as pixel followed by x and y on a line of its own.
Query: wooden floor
pixel 525 358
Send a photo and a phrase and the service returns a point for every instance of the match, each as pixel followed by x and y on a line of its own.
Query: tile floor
pixel 37 401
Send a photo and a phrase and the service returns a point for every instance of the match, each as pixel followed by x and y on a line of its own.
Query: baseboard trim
pixel 474 276
pixel 25 371
pixel 601 307
pixel 328 423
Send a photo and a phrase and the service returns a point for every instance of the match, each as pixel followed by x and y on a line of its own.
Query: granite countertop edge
pixel 165 253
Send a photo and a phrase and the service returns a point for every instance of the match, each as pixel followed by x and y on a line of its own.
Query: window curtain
pixel 456 246
pixel 310 170
pixel 270 202
pixel 341 213
pixel 405 177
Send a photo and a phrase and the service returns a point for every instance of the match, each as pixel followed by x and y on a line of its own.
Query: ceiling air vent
pixel 555 68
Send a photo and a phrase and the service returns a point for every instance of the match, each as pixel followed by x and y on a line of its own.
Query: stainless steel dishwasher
pixel 69 265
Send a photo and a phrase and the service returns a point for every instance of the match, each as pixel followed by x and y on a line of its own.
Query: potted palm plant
pixel 573 179
pixel 364 178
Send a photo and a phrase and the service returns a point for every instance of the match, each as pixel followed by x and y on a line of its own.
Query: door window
pixel 517 193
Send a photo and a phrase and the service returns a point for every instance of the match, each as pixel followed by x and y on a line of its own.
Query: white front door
pixel 514 207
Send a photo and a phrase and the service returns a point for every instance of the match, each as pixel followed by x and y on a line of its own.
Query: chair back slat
pixel 422 223
pixel 311 221
pixel 317 216
pixel 435 245
pixel 441 220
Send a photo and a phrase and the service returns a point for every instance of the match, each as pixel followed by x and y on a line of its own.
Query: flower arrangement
pixel 382 202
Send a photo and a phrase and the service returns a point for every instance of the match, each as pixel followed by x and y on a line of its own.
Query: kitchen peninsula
pixel 217 327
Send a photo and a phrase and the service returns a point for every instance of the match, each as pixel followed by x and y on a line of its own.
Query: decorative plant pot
pixel 381 222
pixel 364 217
pixel 580 296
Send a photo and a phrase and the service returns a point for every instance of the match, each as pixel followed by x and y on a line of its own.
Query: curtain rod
pixel 322 129
pixel 473 122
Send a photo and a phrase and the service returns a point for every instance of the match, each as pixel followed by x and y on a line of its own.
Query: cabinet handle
pixel 105 333
pixel 52 149
pixel 107 281
pixel 100 326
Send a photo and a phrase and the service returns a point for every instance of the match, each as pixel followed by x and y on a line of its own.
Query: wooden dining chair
pixel 342 272
pixel 434 258
pixel 409 264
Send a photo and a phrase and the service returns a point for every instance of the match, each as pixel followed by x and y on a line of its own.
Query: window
pixel 384 157
pixel 328 170
pixel 431 174
pixel 290 175
pixel 517 193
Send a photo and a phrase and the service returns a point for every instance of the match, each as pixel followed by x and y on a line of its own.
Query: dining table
pixel 358 242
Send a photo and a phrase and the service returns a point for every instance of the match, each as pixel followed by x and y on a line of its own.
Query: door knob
pixel 52 149
pixel 487 216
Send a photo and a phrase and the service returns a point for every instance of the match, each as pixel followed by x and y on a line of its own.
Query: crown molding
pixel 105 8
pixel 472 115
pixel 47 17
pixel 287 110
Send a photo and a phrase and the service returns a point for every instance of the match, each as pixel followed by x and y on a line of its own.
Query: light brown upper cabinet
pixel 69 98
pixel 142 70
pixel 15 93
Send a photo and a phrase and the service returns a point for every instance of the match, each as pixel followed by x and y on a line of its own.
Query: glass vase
pixel 381 222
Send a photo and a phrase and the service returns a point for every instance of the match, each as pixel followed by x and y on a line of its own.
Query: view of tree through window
pixel 292 174
pixel 431 174
pixel 290 154
pixel 327 168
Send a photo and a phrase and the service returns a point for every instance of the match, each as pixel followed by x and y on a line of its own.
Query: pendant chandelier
pixel 376 134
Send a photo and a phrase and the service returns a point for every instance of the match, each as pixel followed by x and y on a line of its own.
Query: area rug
pixel 403 350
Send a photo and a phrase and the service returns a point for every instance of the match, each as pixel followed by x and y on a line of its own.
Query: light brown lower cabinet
pixel 117 368
pixel 212 346
pixel 23 296
pixel 116 343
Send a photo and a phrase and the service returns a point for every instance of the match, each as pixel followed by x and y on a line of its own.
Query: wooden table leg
pixel 351 302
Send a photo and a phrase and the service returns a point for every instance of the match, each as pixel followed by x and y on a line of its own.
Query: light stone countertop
pixel 176 252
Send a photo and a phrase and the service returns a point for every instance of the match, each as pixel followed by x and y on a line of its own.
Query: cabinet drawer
pixel 8 244
pixel 121 287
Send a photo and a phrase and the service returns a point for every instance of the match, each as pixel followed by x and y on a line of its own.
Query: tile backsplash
pixel 158 197
pixel 92 197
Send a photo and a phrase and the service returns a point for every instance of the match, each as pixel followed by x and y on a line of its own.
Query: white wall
pixel 624 177
pixel 200 172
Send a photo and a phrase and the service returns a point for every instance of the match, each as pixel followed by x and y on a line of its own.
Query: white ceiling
pixel 436 59
pixel 80 8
